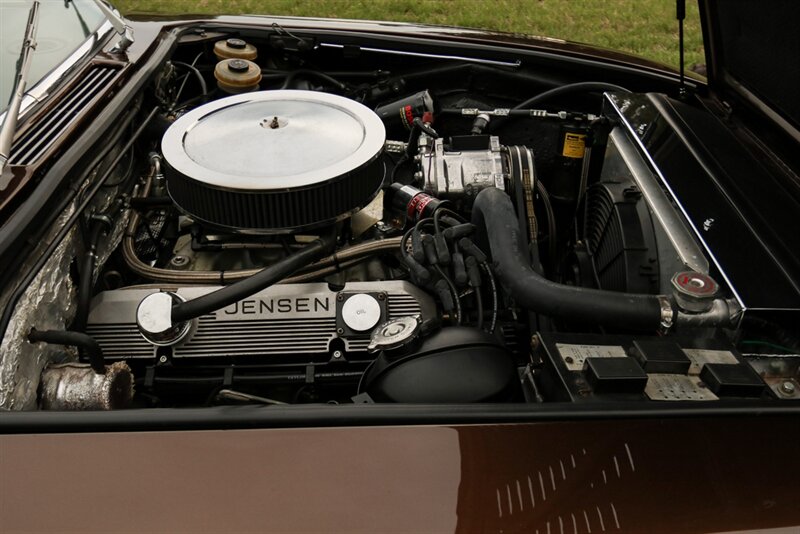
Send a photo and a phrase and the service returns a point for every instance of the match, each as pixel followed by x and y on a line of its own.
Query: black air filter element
pixel 619 235
pixel 274 161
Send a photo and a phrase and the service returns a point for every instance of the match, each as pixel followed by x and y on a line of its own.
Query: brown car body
pixel 636 476
pixel 637 473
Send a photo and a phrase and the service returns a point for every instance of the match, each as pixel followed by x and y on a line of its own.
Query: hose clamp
pixel 667 314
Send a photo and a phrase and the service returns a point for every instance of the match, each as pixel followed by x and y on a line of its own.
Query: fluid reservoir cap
pixel 154 319
pixel 238 65
pixel 237 44
pixel 234 48
pixel 394 333
pixel 694 292
pixel 361 312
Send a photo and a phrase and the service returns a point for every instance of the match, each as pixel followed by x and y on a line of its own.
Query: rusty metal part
pixel 75 386
pixel 724 313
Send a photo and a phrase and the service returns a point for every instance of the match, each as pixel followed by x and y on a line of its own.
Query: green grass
pixel 643 27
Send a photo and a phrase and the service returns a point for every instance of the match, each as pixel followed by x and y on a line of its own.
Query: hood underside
pixel 752 50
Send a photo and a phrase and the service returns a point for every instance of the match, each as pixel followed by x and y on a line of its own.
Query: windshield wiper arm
pixel 23 65
pixel 125 31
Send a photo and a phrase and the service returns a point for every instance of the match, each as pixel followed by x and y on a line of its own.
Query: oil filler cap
pixel 154 319
pixel 361 312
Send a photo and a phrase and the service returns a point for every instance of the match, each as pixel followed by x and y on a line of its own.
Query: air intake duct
pixel 274 161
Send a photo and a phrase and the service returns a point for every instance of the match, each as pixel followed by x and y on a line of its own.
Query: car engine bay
pixel 297 224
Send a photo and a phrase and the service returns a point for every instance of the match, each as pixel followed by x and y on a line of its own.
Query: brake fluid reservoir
pixel 237 75
pixel 235 49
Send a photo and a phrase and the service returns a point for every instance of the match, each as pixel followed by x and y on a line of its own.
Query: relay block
pixel 595 368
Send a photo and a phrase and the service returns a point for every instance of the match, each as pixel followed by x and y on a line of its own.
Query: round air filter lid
pixel 272 140
pixel 274 161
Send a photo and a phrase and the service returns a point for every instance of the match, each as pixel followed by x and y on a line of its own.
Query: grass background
pixel 643 27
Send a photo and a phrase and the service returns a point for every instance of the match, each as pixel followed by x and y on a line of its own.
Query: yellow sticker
pixel 574 145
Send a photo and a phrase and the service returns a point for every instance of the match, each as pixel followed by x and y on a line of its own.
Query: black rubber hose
pixel 89 346
pixel 235 292
pixel 580 87
pixel 312 74
pixel 494 214
pixel 85 284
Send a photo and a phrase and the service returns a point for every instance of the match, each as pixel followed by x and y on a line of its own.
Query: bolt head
pixel 337 354
pixel 788 388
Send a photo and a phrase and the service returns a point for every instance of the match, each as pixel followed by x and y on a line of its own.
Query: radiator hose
pixel 493 214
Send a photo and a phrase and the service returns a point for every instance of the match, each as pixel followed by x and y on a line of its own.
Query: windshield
pixel 63 26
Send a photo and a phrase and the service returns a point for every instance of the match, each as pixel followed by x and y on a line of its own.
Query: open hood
pixel 752 52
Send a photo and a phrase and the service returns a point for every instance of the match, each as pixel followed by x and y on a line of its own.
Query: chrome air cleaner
pixel 274 161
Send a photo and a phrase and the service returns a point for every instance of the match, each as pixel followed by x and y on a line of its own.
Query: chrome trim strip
pixel 482 61
pixel 44 87
pixel 690 253
pixel 652 164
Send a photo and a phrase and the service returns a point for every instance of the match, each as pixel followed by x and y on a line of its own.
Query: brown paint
pixel 693 475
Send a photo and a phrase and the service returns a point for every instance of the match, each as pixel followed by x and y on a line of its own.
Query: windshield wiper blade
pixel 23 65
